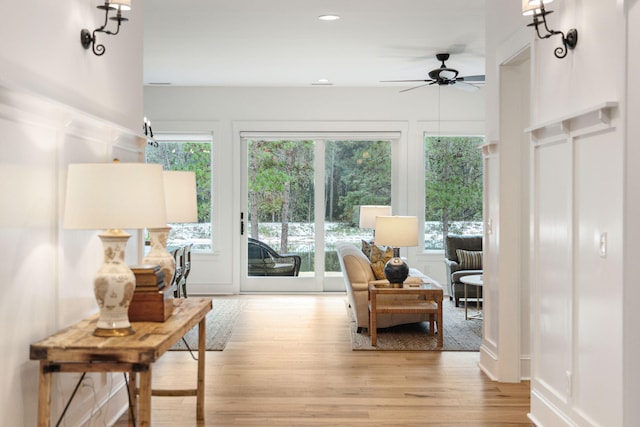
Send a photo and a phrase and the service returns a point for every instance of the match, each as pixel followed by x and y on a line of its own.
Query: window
pixel 188 152
pixel 453 188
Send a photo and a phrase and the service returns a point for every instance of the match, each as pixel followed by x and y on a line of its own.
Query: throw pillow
pixel 470 260
pixel 379 258
pixel 366 249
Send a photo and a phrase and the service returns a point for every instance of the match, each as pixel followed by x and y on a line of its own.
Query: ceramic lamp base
pixel 396 270
pixel 113 287
pixel 158 254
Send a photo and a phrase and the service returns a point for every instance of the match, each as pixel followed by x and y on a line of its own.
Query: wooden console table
pixel 75 349
pixel 432 305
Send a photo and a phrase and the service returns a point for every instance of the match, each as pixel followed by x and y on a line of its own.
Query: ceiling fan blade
pixel 416 87
pixel 478 78
pixel 403 81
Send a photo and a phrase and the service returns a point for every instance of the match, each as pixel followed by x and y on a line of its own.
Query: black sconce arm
pixel 88 39
pixel 568 42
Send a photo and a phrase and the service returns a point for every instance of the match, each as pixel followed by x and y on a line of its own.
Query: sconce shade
pixel 530 6
pixel 121 4
pixel 397 231
pixel 114 196
pixel 368 214
pixel 180 196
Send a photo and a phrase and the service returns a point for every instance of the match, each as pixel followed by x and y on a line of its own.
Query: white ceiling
pixel 282 42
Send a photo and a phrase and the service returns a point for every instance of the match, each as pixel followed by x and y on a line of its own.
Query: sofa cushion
pixel 379 258
pixel 469 260
pixel 467 243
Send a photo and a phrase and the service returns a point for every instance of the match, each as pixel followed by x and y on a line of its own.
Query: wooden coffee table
pixel 473 280
pixel 431 305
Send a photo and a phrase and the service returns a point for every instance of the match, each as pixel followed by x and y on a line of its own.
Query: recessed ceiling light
pixel 328 17
pixel 322 82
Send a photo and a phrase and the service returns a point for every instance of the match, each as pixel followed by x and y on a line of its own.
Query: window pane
pixel 356 173
pixel 453 188
pixel 186 155
pixel 281 205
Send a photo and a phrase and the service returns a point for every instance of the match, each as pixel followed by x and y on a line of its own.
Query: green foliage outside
pixel 453 181
pixel 281 187
pixel 188 156
pixel 357 173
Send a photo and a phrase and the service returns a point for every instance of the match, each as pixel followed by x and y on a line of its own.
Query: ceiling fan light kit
pixel 536 8
pixel 445 76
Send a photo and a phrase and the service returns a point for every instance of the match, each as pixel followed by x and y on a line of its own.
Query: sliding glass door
pixel 301 195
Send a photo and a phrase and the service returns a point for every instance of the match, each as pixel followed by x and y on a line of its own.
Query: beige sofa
pixel 357 273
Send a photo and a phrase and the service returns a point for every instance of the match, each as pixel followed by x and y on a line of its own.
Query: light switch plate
pixel 603 244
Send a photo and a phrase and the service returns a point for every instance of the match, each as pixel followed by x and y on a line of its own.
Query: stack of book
pixel 153 299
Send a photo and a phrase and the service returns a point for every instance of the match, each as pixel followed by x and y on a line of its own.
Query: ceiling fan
pixel 445 76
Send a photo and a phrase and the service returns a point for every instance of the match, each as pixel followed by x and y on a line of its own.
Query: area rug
pixel 220 321
pixel 459 334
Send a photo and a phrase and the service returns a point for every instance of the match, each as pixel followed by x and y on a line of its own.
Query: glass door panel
pixel 280 226
pixel 356 173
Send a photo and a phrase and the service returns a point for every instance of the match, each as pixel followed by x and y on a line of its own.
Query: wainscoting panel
pixel 574 232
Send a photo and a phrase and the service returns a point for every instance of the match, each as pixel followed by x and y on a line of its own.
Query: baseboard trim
pixel 545 413
pixel 488 362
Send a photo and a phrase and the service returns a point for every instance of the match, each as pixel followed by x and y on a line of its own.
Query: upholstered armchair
pixel 463 257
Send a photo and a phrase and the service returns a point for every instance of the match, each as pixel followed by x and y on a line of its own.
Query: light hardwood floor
pixel 289 363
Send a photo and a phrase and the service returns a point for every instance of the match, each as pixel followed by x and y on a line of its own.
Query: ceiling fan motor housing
pixel 444 76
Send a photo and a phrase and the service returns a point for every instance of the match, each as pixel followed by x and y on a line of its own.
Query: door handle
pixel 242 223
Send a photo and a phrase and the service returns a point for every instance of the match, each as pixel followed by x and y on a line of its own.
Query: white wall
pixel 316 108
pixel 58 104
pixel 40 52
pixel 631 291
pixel 578 189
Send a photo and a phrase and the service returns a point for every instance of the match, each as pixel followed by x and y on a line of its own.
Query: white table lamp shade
pixel 396 231
pixel 368 214
pixel 114 196
pixel 180 196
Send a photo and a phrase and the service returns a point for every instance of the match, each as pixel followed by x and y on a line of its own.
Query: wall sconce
pixel 148 132
pixel 88 39
pixel 536 8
